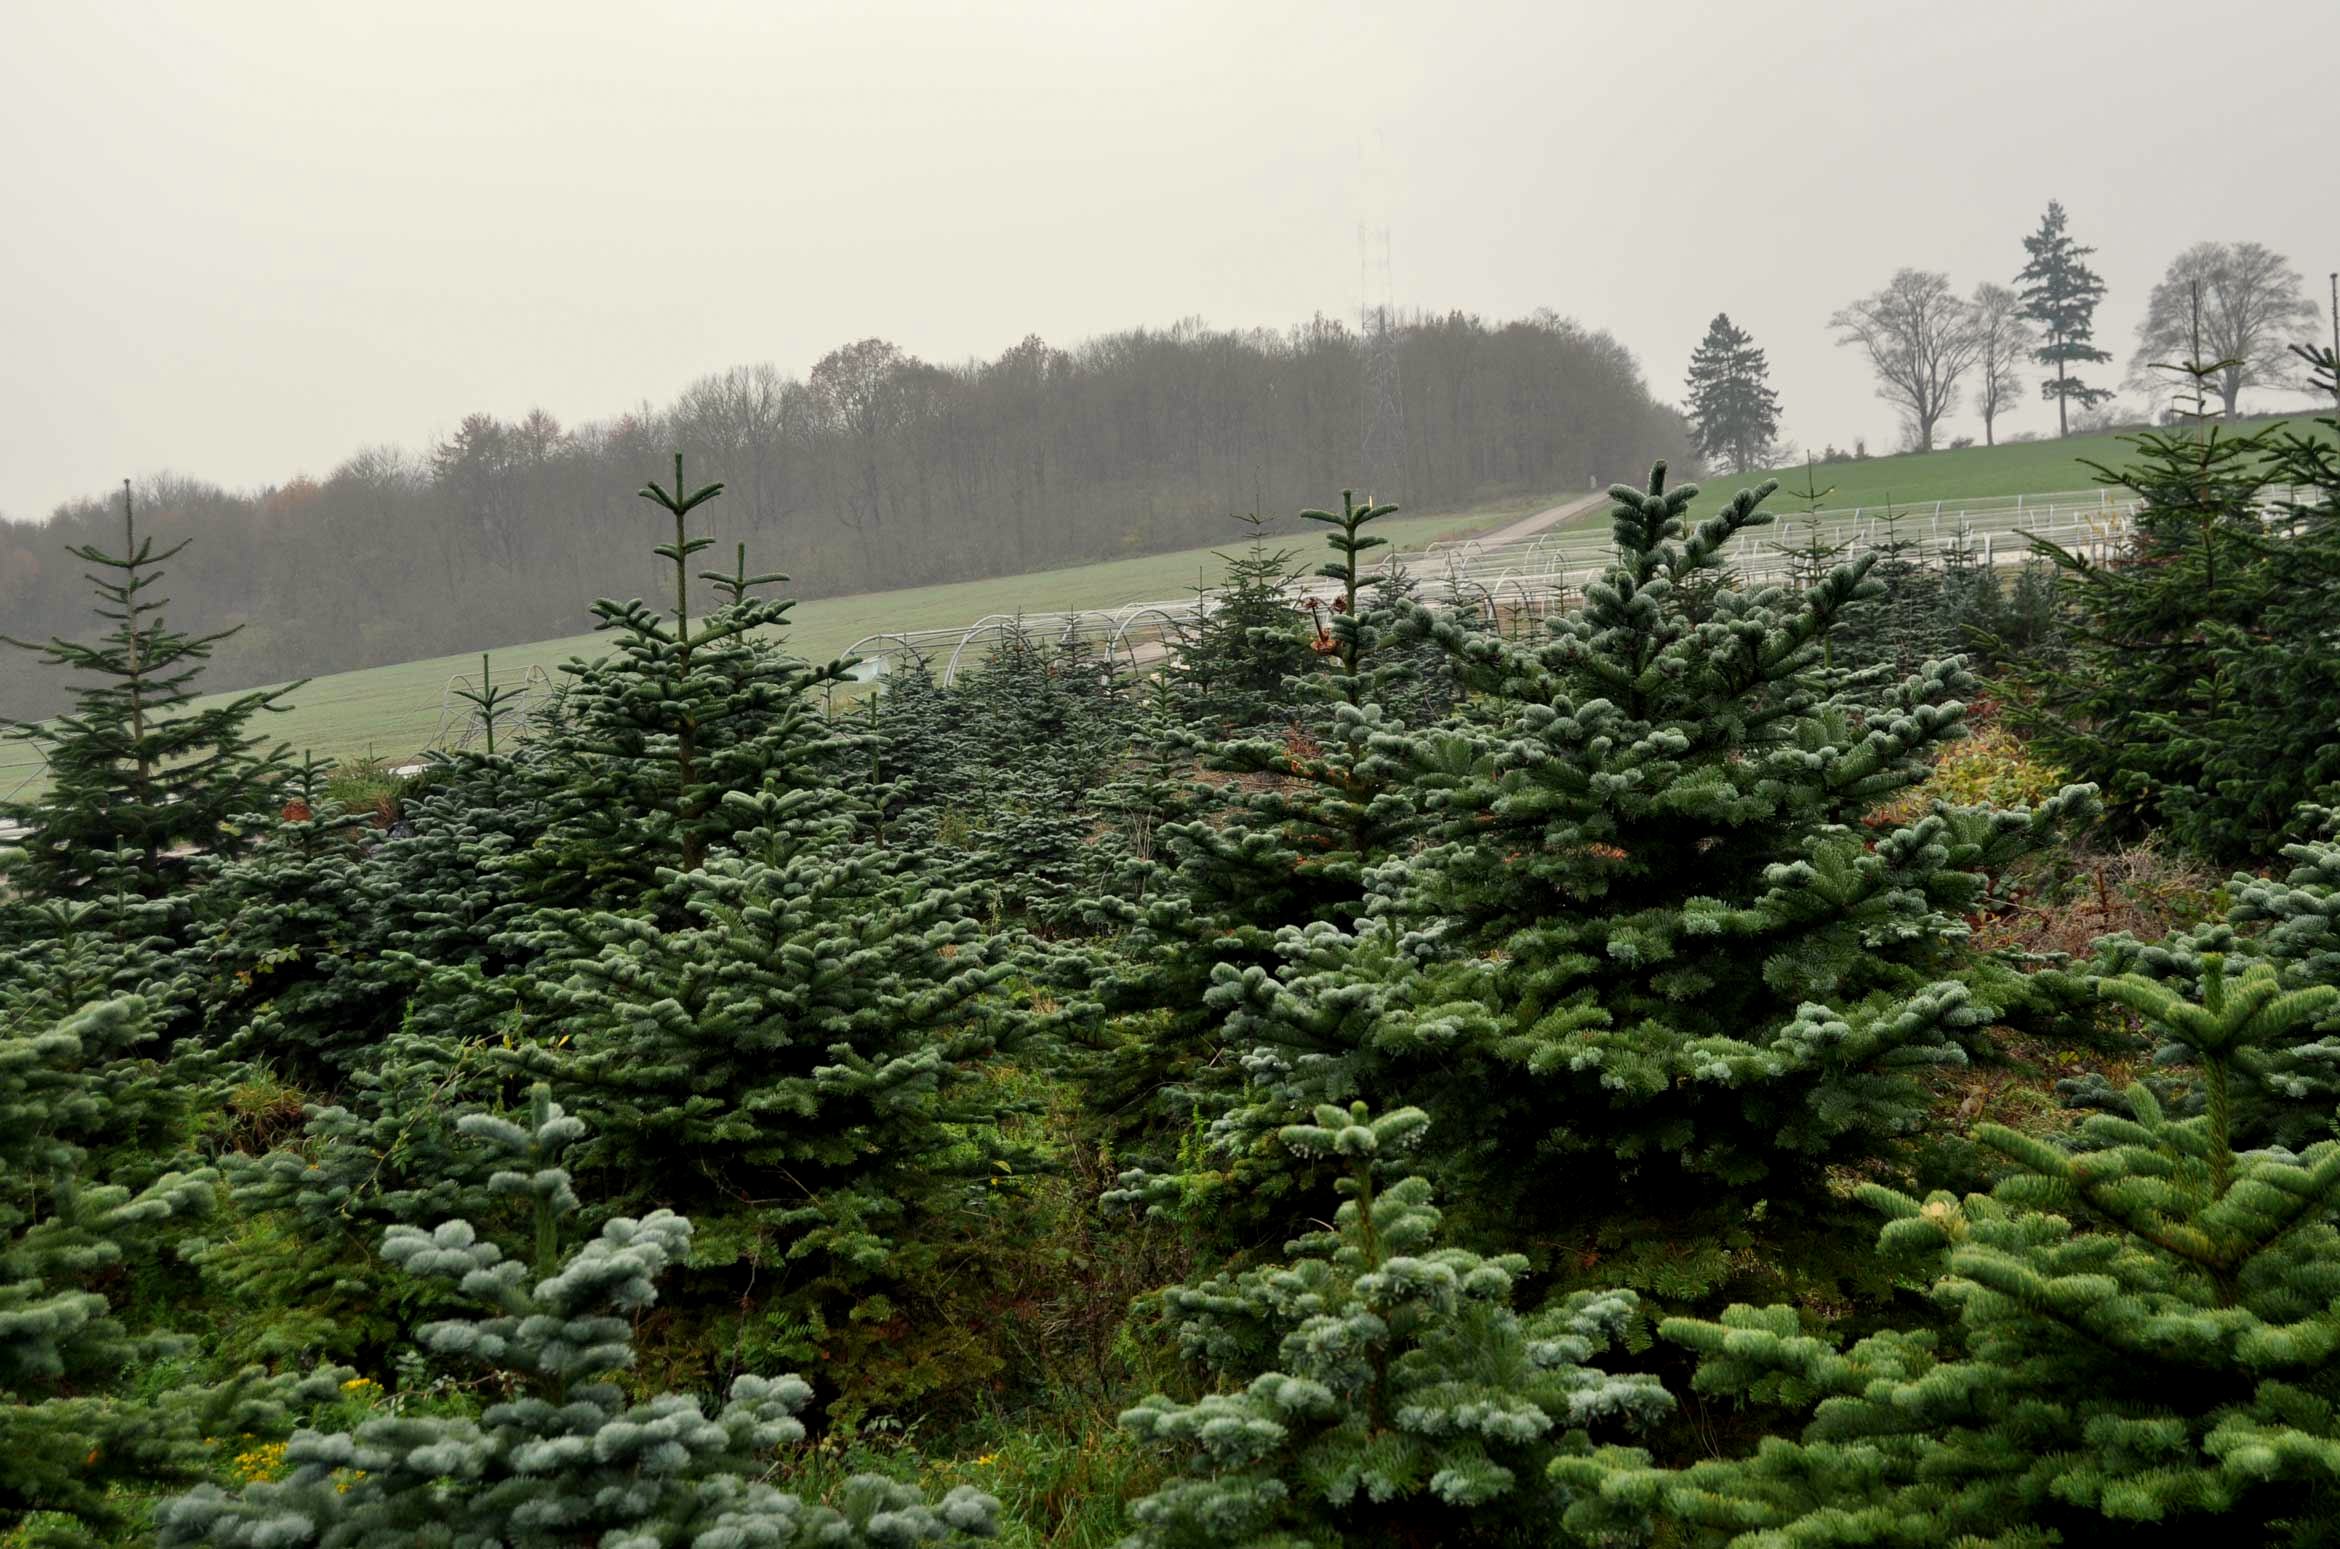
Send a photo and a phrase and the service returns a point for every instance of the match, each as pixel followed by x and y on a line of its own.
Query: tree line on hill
pixel 875 470
pixel 2238 307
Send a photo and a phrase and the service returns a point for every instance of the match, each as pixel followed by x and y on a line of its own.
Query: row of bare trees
pixel 1928 345
pixel 1923 340
pixel 873 470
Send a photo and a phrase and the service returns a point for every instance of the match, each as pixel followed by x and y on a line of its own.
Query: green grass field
pixel 2027 468
pixel 392 713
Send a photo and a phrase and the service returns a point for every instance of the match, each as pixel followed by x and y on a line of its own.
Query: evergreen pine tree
pixel 1128 857
pixel 309 1213
pixel 1247 642
pixel 648 744
pixel 1734 414
pixel 2280 1094
pixel 139 776
pixel 1381 1389
pixel 2060 293
pixel 439 927
pixel 88 1109
pixel 1653 932
pixel 558 1455
pixel 1005 767
pixel 2197 663
pixel 2143 1342
pixel 798 1065
pixel 1904 626
pixel 1282 831
pixel 278 937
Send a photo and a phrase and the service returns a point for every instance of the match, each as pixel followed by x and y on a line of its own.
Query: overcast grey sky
pixel 243 239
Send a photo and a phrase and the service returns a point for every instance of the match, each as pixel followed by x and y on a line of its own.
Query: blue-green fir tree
pixel 2289 919
pixel 649 742
pixel 2199 687
pixel 2138 1342
pixel 800 1063
pixel 282 937
pixel 1378 1388
pixel 1651 932
pixel 91 1116
pixel 1280 829
pixel 1246 642
pixel 559 1453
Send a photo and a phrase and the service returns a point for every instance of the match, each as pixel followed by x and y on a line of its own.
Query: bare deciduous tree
pixel 1920 337
pixel 2006 342
pixel 2254 308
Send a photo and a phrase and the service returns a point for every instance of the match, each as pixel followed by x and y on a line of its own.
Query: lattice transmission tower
pixel 1382 432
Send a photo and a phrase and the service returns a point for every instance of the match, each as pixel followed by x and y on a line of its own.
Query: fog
pixel 244 241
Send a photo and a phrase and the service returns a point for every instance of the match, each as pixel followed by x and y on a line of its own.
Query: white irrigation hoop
pixel 1527 598
pixel 33 769
pixel 902 640
pixel 999 623
pixel 1120 639
pixel 532 679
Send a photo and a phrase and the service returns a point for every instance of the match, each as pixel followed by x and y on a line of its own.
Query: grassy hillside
pixel 2031 467
pixel 393 712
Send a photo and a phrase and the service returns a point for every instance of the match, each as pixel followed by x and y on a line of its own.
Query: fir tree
pixel 648 744
pixel 1281 832
pixel 2279 1094
pixel 139 776
pixel 1651 933
pixel 278 937
pixel 1906 625
pixel 1382 1389
pixel 1127 858
pixel 798 1065
pixel 309 1213
pixel 2142 1345
pixel 2060 293
pixel 2198 668
pixel 87 1109
pixel 1734 414
pixel 1247 642
pixel 439 926
pixel 559 1455
pixel 1001 769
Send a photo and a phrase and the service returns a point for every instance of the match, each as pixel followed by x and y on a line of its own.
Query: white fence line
pixel 1530 573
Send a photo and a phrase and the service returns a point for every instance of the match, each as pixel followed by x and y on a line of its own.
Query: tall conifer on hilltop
pixel 2060 293
pixel 1732 407
pixel 139 775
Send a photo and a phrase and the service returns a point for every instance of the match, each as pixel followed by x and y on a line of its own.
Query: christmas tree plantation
pixel 1379 1075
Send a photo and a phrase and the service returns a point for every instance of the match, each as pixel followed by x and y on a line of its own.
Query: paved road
pixel 1529 526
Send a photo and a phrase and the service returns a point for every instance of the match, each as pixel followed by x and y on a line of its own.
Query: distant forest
pixel 876 470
